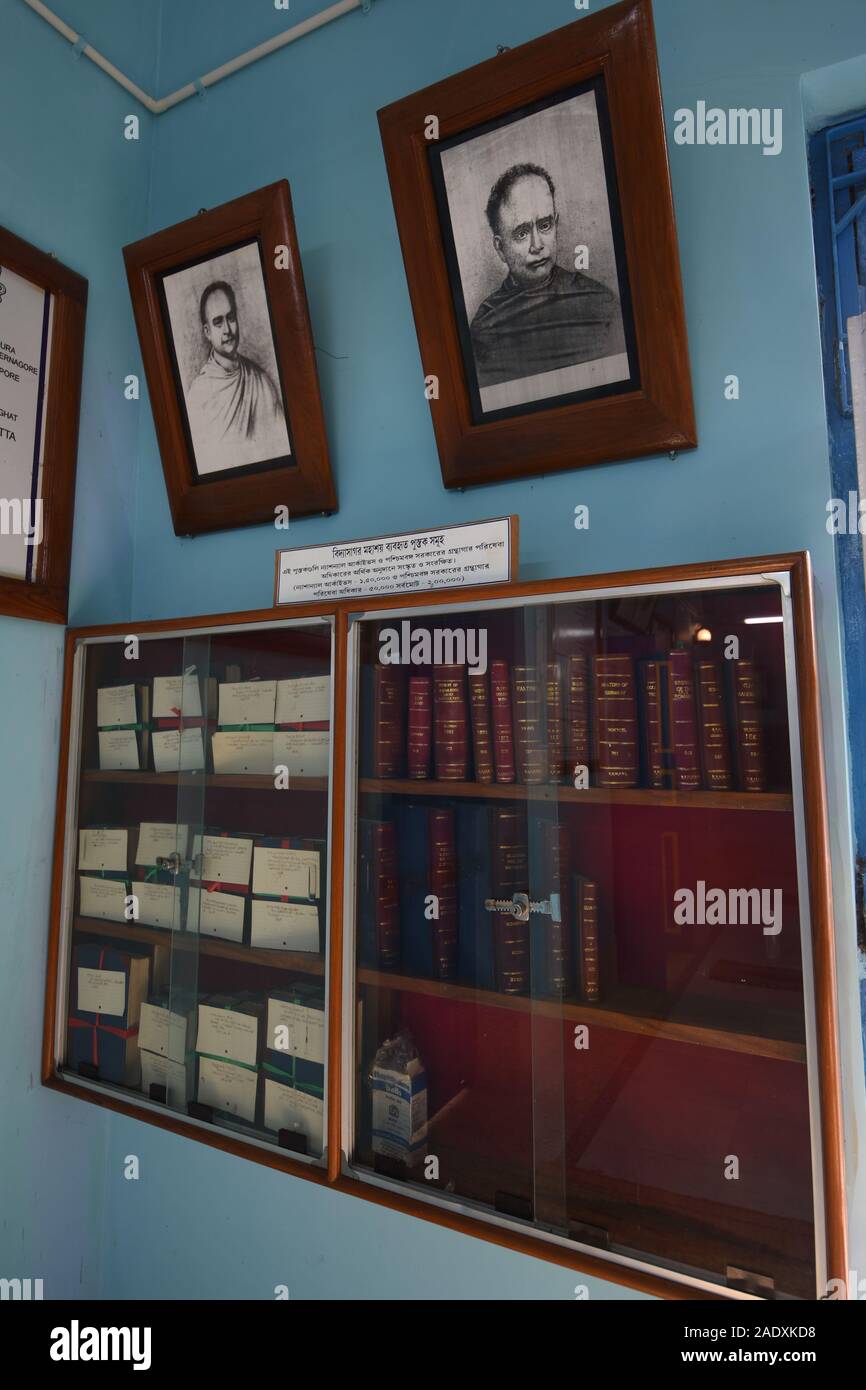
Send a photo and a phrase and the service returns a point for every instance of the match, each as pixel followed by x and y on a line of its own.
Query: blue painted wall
pixel 71 184
pixel 758 483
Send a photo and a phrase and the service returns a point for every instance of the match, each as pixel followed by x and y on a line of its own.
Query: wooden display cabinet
pixel 628 1082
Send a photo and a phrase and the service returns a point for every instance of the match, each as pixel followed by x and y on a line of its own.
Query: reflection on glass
pixel 579 977
pixel 197 942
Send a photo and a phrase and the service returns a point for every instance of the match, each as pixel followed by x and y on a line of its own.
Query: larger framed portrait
pixel 534 208
pixel 43 305
pixel 224 327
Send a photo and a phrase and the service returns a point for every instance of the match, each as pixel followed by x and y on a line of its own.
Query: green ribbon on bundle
pixel 287 1075
pixel 246 728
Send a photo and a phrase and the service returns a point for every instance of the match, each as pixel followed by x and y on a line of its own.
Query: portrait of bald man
pixel 544 316
pixel 535 256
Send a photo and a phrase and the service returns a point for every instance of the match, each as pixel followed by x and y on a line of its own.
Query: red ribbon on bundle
pixel 99 1026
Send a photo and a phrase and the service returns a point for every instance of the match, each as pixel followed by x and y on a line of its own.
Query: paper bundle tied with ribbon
pixel 109 984
pixel 123 727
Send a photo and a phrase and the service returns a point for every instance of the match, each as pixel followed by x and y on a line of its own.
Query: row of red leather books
pixel 601 719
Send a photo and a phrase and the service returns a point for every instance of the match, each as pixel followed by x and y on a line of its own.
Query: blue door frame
pixel 837 160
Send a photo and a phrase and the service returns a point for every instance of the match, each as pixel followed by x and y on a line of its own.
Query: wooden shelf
pixel 304 961
pixel 592 796
pixel 238 781
pixel 631 1010
pixel 485 1143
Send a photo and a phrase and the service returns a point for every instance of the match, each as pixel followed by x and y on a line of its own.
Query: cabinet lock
pixel 520 906
pixel 173 863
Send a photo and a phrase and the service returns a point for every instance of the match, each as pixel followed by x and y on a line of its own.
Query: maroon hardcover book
pixel 713 726
pixel 558 960
pixel 577 713
pixel 450 724
pixel 652 676
pixel 503 735
pixel 615 721
pixel 510 862
pixel 388 741
pixel 529 746
pixel 683 720
pixel 748 727
pixel 587 934
pixel 482 732
pixel 555 723
pixel 386 894
pixel 419 741
pixel 442 858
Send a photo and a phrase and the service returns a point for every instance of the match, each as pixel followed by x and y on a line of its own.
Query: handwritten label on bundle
pixel 176 695
pixel 102 850
pixel 101 991
pixel 224 859
pixel 227 1033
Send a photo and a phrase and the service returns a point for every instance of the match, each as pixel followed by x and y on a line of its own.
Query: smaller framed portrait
pixel 536 221
pixel 222 319
pixel 42 312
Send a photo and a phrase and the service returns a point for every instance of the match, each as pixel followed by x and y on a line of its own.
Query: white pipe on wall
pixel 157 105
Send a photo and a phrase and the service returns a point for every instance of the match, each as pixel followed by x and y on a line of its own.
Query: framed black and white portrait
pixel 225 362
pixel 533 239
pixel 534 209
pixel 222 318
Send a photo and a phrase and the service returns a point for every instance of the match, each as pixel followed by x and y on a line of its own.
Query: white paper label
pixel 176 695
pixel 160 840
pixel 161 1071
pixel 215 914
pixel 478 552
pixel 115 704
pixel 286 873
pixel 161 1031
pixel 304 700
pixel 224 859
pixel 284 926
pixel 158 904
pixel 247 702
pixel 227 1088
pixel 227 1033
pixel 178 750
pixel 102 897
pixel 118 751
pixel 304 1030
pixel 103 849
pixel 286 1108
pixel 101 991
pixel 303 751
pixel 243 752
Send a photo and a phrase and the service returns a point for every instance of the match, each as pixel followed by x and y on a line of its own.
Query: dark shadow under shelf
pixel 592 796
pixel 306 962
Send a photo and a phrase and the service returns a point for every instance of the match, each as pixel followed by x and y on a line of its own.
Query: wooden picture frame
pixel 239 435
pixel 617 385
pixel 43 443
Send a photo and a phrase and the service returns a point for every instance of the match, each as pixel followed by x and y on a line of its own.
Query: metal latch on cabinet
pixel 520 906
pixel 173 864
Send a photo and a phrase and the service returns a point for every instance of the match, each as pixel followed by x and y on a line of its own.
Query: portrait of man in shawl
pixel 226 362
pixel 233 405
